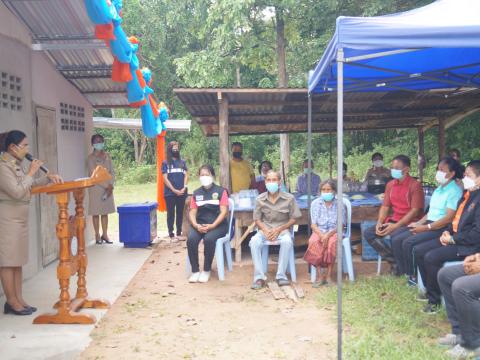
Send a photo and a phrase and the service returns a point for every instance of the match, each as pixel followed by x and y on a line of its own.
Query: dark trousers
pixel 209 241
pixel 403 248
pixel 175 206
pixel 462 294
pixel 382 247
pixel 430 257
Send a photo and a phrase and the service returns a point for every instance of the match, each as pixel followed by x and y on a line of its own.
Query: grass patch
pixel 382 320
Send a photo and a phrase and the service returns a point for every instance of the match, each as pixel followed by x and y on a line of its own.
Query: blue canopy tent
pixel 433 47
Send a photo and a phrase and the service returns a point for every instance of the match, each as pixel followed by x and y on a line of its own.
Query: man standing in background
pixel 241 171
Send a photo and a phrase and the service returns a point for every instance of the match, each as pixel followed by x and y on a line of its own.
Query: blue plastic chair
pixel 347 262
pixel 222 244
pixel 291 258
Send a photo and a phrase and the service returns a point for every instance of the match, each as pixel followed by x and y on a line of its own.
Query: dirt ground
pixel 161 316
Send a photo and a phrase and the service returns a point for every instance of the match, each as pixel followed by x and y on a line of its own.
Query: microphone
pixel 29 157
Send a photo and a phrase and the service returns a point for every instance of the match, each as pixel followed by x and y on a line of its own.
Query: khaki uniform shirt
pixel 276 214
pixel 16 184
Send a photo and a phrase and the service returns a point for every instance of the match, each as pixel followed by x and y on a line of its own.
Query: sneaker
pixel 204 276
pixel 194 277
pixel 283 282
pixel 431 309
pixel 449 340
pixel 458 352
pixel 421 297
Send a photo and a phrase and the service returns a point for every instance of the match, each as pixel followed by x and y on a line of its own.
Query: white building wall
pixel 42 85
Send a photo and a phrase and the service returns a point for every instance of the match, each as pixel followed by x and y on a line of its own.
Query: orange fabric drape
pixel 104 32
pixel 121 71
pixel 153 105
pixel 162 207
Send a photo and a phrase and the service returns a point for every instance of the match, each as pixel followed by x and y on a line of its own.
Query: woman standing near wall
pixel 15 194
pixel 100 197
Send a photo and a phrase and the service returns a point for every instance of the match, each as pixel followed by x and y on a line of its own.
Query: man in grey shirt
pixel 275 213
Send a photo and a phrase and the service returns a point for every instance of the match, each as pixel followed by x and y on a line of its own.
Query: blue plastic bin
pixel 138 224
pixel 368 252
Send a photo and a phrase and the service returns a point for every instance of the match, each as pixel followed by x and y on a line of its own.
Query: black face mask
pixel 237 154
pixel 175 153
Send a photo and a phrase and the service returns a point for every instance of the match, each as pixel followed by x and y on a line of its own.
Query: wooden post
pixel 421 153
pixel 223 141
pixel 330 167
pixel 282 83
pixel 441 138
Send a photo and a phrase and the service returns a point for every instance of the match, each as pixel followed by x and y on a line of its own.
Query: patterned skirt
pixel 319 254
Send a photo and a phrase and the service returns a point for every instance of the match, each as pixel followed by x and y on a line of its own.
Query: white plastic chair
pixel 291 258
pixel 346 245
pixel 222 244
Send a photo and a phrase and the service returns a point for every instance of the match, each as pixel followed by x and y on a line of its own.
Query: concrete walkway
pixel 110 269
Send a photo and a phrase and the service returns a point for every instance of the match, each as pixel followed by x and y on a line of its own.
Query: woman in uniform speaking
pixel 15 194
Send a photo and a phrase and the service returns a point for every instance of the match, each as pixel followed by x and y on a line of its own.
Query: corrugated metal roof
pixel 65 23
pixel 262 111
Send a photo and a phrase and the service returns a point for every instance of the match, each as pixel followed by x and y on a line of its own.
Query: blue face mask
pixel 396 174
pixel 99 146
pixel 272 187
pixel 327 196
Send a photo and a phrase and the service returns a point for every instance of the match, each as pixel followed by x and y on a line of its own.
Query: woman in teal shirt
pixel 443 205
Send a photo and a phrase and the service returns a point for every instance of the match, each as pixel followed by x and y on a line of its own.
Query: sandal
pixel 106 240
pixel 319 284
pixel 257 285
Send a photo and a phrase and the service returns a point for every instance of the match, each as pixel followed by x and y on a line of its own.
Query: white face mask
pixel 468 183
pixel 206 181
pixel 441 177
pixel 378 163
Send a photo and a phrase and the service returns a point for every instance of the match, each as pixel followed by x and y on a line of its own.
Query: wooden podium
pixel 73 259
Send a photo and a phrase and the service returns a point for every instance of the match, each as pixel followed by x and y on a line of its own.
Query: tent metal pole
pixel 309 157
pixel 379 54
pixel 340 62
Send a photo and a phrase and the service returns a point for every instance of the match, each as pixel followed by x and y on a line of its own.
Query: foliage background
pixel 203 43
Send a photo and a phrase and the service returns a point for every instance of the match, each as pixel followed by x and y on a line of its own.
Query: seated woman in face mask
pixel 442 210
pixel 264 167
pixel 377 176
pixel 208 221
pixel 322 245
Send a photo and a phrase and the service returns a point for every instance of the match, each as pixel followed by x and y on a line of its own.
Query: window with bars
pixel 11 92
pixel 72 117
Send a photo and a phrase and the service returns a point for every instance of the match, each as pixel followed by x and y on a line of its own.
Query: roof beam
pixel 65 68
pixel 43 38
pixel 88 92
pixel 90 76
pixel 68 46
